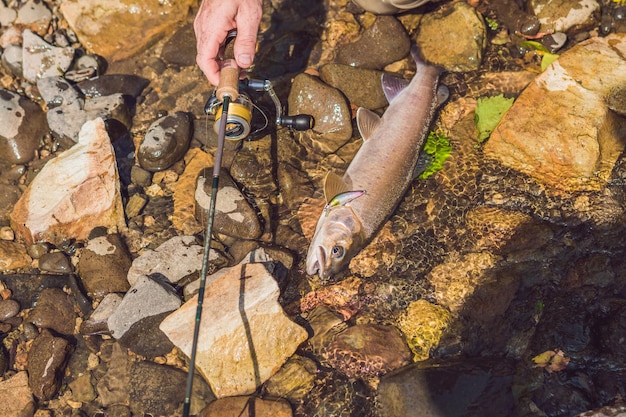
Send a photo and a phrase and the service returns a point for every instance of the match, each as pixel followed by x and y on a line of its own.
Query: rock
pixel 166 142
pixel 97 321
pixel 82 388
pixel 184 194
pixel 333 125
pixel 423 324
pixel 367 351
pixel 234 216
pixel 180 49
pixel 165 260
pixel 55 262
pixel 238 406
pixel 118 30
pixel 470 387
pixel 35 15
pixel 12 60
pixel 16 397
pixel 294 380
pixel 7 15
pixel 159 390
pixel 113 386
pixel 9 194
pixel 608 411
pixel 245 336
pixel 47 359
pixel 145 298
pixel 534 136
pixel 129 85
pixel 54 310
pixel 466 37
pixel 40 59
pixel 13 256
pixel 384 42
pixel 565 15
pixel 8 309
pixel 103 265
pixel 146 339
pixel 22 126
pixel 342 297
pixel 73 193
pixel 362 87
pixel 69 110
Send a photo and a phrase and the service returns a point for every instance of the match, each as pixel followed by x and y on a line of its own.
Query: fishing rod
pixel 227 91
pixel 233 115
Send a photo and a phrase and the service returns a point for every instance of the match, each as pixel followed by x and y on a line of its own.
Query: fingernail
pixel 245 59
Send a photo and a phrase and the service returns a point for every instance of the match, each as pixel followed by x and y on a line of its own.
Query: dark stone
pixel 166 142
pixel 9 194
pixel 350 81
pixel 105 85
pixel 470 387
pixel 180 49
pixel 54 310
pixel 46 364
pixel 159 390
pixel 8 309
pixel 146 339
pixel 55 262
pixel 103 265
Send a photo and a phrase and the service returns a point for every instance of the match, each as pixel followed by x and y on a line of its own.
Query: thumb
pixel 245 42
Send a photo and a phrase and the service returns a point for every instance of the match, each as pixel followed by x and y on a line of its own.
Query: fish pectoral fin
pixel 392 86
pixel 333 186
pixel 443 93
pixel 367 121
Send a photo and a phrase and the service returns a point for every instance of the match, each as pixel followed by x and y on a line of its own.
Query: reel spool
pixel 238 119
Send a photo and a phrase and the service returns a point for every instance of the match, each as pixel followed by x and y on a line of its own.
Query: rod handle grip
pixel 229 74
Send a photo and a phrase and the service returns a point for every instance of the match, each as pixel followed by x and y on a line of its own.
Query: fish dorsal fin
pixel 333 186
pixel 392 86
pixel 367 121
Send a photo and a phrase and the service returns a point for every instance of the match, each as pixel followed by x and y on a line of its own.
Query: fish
pixel 381 171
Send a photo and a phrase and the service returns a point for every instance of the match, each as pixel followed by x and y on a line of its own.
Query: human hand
pixel 214 20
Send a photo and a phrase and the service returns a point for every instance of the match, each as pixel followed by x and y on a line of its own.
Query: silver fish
pixel 383 167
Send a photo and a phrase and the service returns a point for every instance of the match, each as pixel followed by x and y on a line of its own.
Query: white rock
pixel 7 15
pixel 73 193
pixel 40 59
pixel 174 259
pixel 245 336
pixel 145 299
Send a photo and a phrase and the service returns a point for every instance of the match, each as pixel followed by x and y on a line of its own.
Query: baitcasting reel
pixel 239 118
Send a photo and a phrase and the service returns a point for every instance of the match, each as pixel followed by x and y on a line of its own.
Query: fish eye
pixel 338 252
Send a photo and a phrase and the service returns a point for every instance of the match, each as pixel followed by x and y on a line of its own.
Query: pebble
pixel 233 216
pixel 140 176
pixel 54 310
pixel 12 60
pixel 384 42
pixel 8 309
pixel 166 142
pixel 146 339
pixel 22 126
pixel 47 359
pixel 40 59
pixel 55 262
pixel 109 84
pixel 103 265
pixel 37 250
pixel 7 15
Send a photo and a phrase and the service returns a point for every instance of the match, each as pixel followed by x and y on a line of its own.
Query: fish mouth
pixel 320 261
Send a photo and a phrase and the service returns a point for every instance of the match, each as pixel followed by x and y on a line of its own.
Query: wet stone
pixel 234 216
pixel 97 321
pixel 22 126
pixel 160 390
pixel 54 310
pixel 8 309
pixel 40 59
pixel 47 359
pixel 55 262
pixel 180 49
pixel 109 84
pixel 367 350
pixel 471 387
pixel 13 256
pixel 466 37
pixel 103 265
pixel 146 339
pixel 350 81
pixel 9 194
pixel 383 43
pixel 235 406
pixel 166 142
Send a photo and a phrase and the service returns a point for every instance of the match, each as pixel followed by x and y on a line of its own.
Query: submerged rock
pixel 103 265
pixel 166 142
pixel 535 135
pixel 245 336
pixel 47 359
pixel 351 81
pixel 73 193
pixel 118 30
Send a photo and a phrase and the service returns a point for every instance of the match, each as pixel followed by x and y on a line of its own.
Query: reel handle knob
pixel 299 122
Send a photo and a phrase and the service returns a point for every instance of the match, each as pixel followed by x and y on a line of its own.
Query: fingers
pixel 247 19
